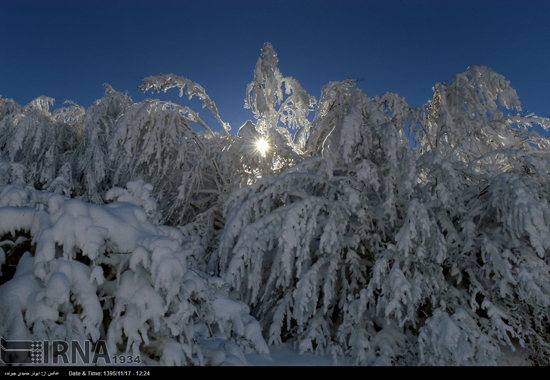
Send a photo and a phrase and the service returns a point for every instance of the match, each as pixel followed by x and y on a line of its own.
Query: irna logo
pixel 53 352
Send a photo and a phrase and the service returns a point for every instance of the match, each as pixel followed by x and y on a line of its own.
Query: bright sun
pixel 262 146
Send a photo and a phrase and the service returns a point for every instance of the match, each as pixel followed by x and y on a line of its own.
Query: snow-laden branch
pixel 165 82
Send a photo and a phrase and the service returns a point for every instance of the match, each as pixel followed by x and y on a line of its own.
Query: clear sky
pixel 68 49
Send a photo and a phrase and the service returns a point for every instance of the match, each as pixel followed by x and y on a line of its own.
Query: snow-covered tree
pixel 276 114
pixel 139 224
pixel 265 94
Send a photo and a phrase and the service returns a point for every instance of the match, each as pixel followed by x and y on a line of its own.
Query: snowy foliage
pixel 265 94
pixel 105 272
pixel 377 232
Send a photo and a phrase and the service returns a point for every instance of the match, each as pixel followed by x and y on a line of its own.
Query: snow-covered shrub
pixel 300 246
pixel 484 176
pixel 92 167
pixel 370 249
pixel 106 273
pixel 138 193
pixel 463 121
pixel 32 137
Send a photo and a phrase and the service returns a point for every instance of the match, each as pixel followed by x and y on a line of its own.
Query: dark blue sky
pixel 68 49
